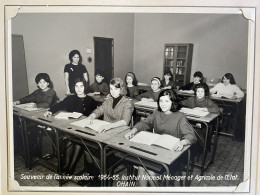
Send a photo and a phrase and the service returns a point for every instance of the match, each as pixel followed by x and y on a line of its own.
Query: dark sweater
pixel 132 92
pixel 43 99
pixel 192 102
pixel 102 88
pixel 149 94
pixel 171 83
pixel 73 103
pixel 189 86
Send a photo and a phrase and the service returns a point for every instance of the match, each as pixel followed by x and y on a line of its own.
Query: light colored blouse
pixel 122 111
pixel 227 90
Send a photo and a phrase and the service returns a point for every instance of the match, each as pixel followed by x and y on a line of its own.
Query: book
pixel 95 125
pixel 146 104
pixel 28 106
pixel 148 138
pixel 193 112
pixel 67 115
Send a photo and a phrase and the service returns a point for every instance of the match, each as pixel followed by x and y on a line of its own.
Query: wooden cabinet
pixel 178 59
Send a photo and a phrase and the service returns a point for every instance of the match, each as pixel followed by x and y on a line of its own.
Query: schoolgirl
pixel 153 93
pixel 131 85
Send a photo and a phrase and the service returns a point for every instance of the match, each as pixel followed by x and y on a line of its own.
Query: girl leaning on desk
pixel 81 103
pixel 43 97
pixel 166 120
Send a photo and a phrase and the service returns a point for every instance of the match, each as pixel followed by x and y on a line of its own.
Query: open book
pixel 146 104
pixel 67 115
pixel 193 112
pixel 28 106
pixel 95 125
pixel 148 138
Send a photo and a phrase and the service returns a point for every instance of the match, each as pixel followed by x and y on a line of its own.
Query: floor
pixel 227 169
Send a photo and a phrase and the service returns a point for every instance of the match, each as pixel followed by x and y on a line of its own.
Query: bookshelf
pixel 178 59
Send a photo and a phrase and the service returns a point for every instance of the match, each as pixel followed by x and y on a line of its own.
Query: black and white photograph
pixel 131 99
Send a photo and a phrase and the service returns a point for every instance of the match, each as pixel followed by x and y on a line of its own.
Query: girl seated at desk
pixel 117 110
pixel 167 82
pixel 131 85
pixel 151 95
pixel 165 120
pixel 227 88
pixel 201 100
pixel 99 87
pixel 81 103
pixel 197 79
pixel 43 97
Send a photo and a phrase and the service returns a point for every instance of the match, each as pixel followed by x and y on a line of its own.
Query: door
pixel 19 71
pixel 104 57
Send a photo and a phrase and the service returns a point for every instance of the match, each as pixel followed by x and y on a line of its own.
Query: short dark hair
pixel 81 79
pixel 131 74
pixel 173 97
pixel 203 86
pixel 198 74
pixel 230 77
pixel 73 53
pixel 168 72
pixel 43 76
pixel 100 73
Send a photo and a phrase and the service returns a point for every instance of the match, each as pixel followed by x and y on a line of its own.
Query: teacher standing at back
pixel 75 69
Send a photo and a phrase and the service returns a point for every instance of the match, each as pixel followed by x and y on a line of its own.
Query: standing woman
pixel 75 69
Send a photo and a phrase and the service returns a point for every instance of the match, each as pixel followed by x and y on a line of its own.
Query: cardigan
pixel 149 94
pixel 122 111
pixel 73 103
pixel 132 92
pixel 43 99
pixel 192 102
pixel 227 90
pixel 175 124
pixel 102 88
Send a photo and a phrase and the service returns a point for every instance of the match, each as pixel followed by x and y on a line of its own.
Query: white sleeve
pixel 215 88
pixel 238 92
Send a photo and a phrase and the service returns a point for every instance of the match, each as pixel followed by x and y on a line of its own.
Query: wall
pixel 48 39
pixel 220 43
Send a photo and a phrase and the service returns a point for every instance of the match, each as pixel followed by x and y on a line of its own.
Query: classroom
pixel 219 45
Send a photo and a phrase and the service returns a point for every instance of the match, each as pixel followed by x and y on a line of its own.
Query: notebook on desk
pixel 96 124
pixel 148 138
pixel 146 104
pixel 67 115
pixel 28 106
pixel 193 112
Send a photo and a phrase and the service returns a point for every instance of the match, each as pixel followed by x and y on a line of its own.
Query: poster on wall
pixel 174 116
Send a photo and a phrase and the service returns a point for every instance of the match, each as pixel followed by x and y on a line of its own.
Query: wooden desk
pixel 39 119
pixel 18 114
pixel 141 153
pixel 224 102
pixel 92 139
pixel 208 121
